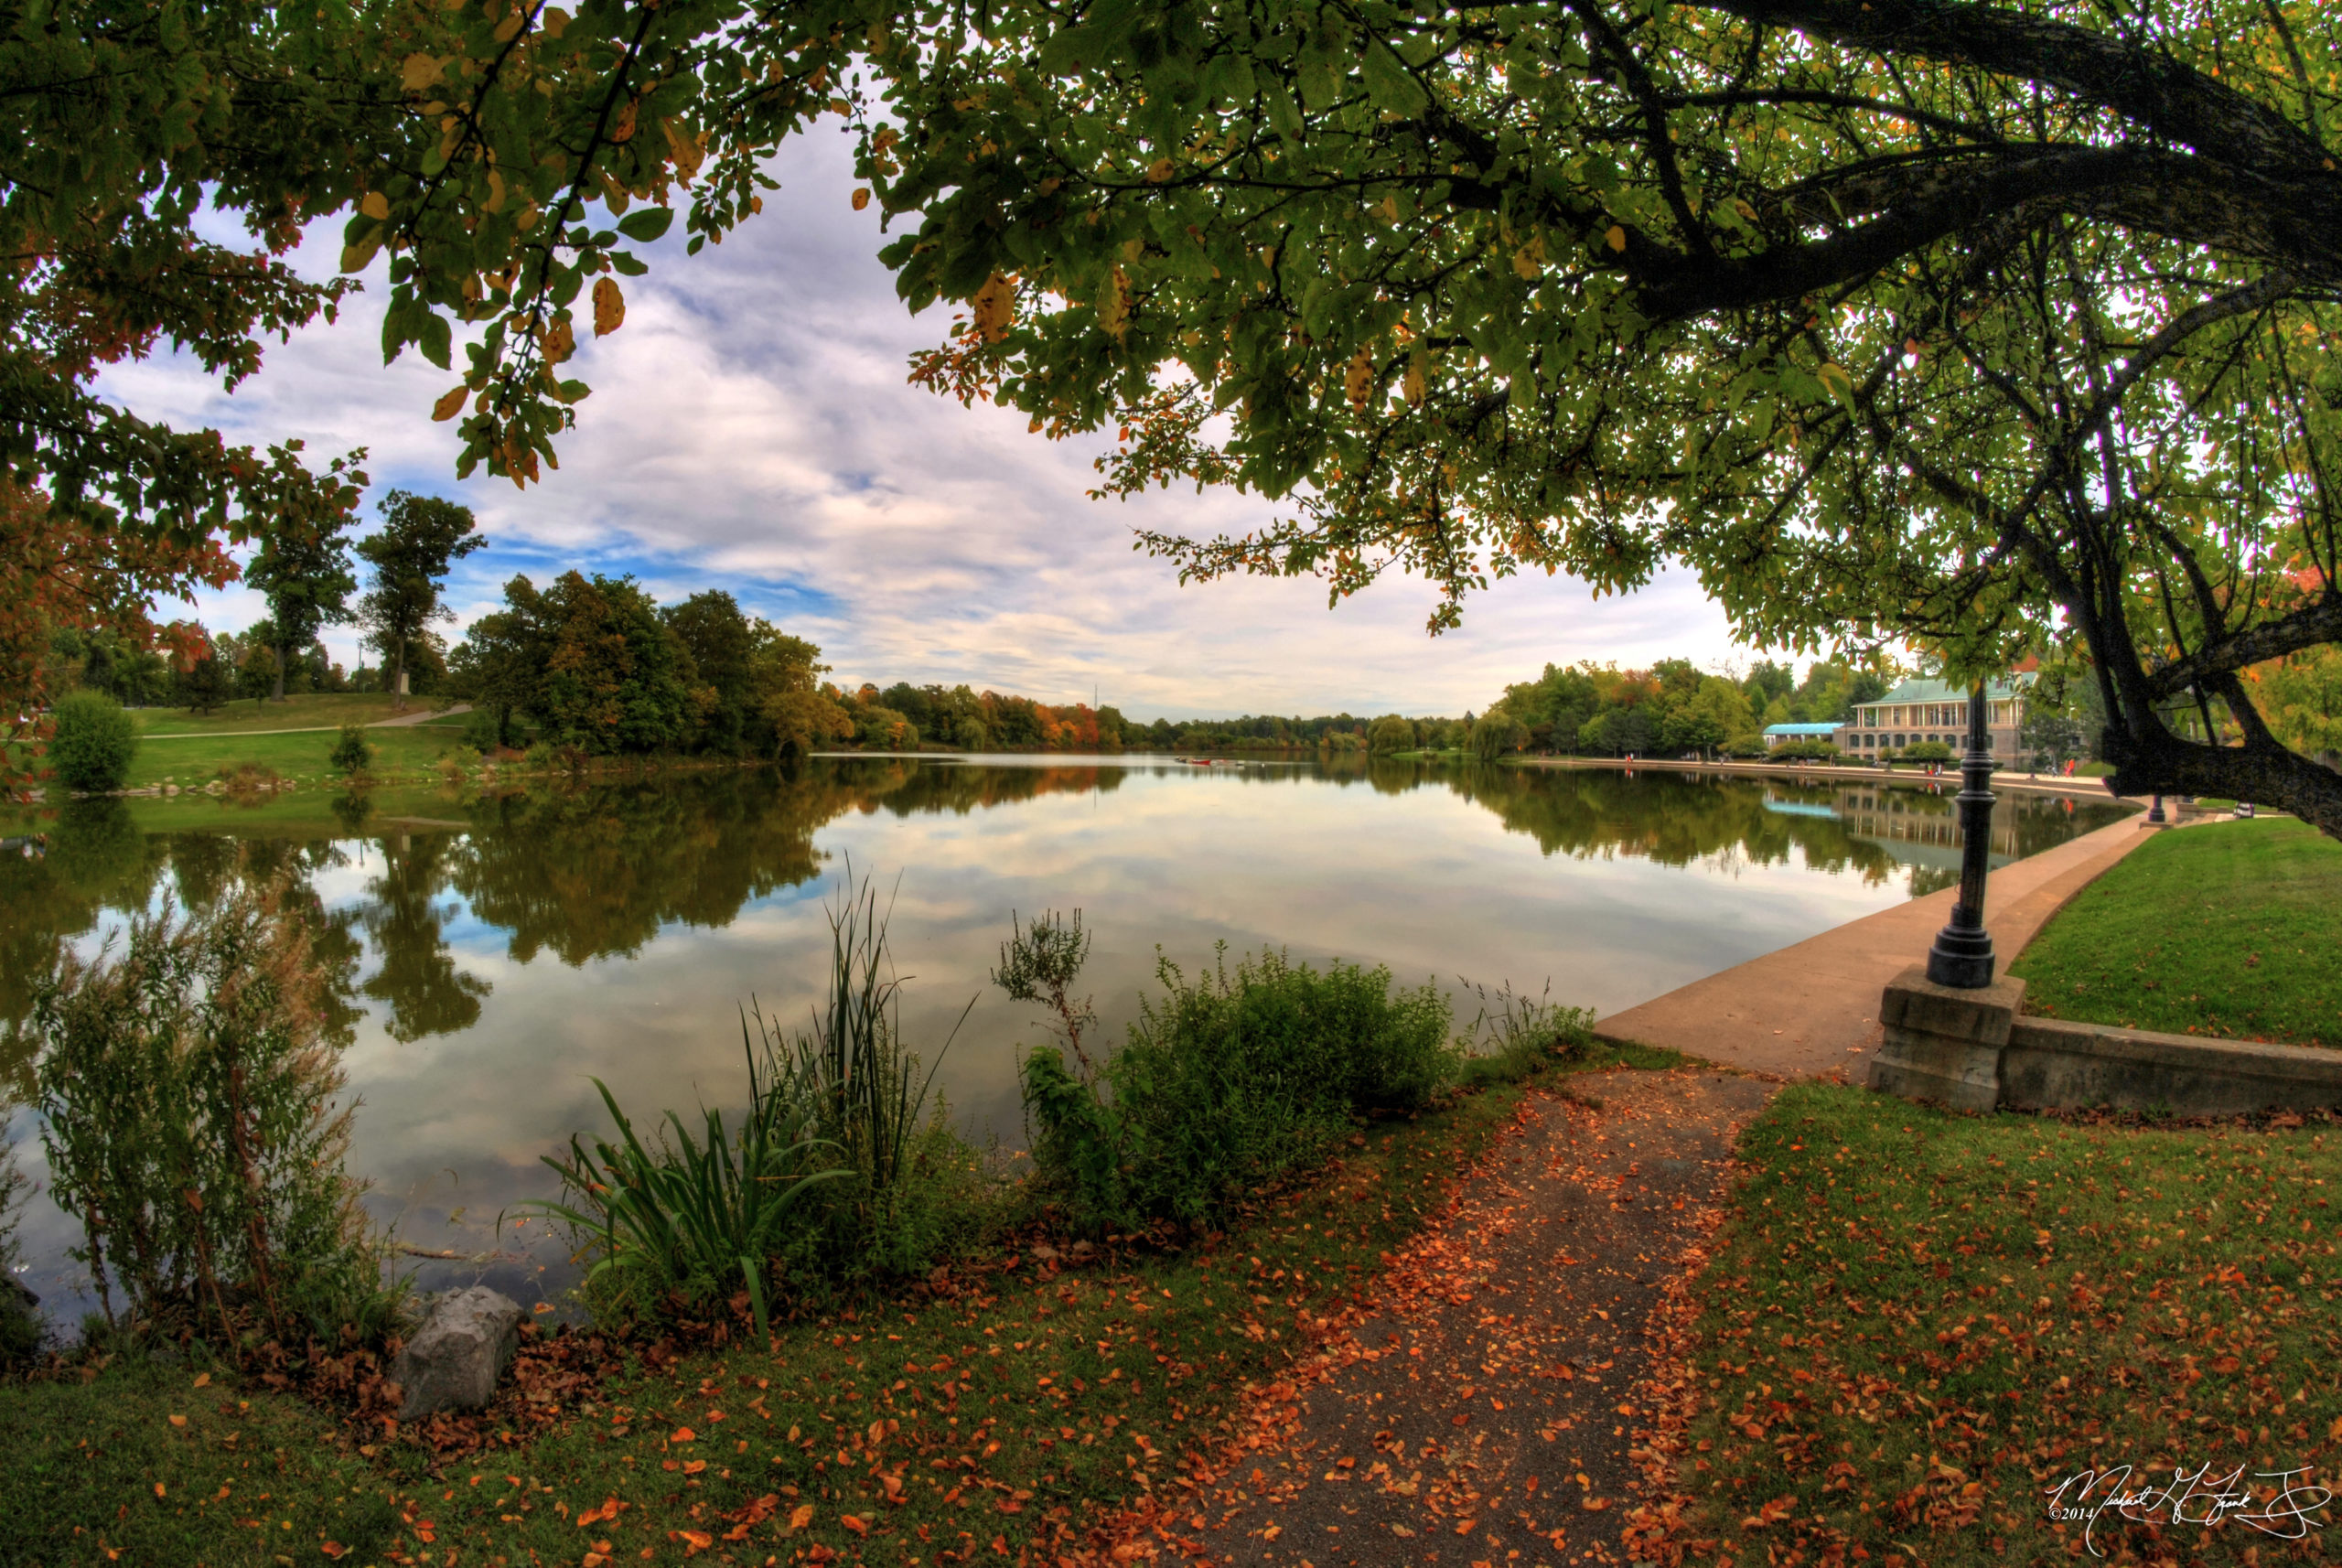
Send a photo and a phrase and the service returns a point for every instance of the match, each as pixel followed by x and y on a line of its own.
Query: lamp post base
pixel 1962 957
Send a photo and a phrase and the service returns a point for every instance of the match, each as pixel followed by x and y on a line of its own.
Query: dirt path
pixel 1474 1419
pixel 405 720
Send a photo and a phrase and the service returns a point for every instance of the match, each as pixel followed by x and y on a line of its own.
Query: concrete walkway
pixel 405 720
pixel 1812 1010
pixel 1947 782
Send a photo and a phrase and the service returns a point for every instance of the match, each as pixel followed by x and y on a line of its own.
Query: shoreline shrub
pixel 189 1089
pixel 1229 1081
pixel 92 742
pixel 352 753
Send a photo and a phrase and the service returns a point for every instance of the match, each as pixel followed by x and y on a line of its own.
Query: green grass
pixel 1916 1323
pixel 1033 1403
pixel 192 764
pixel 324 709
pixel 2223 929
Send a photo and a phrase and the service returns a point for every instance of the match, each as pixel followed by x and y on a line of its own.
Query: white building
pixel 1919 711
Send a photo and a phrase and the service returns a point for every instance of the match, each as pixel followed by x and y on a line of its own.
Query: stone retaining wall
pixel 1974 1050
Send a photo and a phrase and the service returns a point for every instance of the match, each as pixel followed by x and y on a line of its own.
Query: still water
pixel 496 950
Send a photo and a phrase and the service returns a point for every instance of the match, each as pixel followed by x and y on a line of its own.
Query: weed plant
pixel 189 1089
pixel 1513 1034
pixel 1229 1081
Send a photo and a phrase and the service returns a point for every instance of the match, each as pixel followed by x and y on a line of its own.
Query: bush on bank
pixel 188 1090
pixel 93 741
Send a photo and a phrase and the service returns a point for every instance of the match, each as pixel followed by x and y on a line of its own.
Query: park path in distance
pixel 1470 1413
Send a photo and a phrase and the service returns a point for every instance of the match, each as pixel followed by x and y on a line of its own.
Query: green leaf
pixel 648 224
pixel 1388 83
pixel 433 338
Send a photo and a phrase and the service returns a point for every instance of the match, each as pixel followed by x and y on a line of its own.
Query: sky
pixel 751 429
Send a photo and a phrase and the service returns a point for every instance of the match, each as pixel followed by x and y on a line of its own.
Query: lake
pixel 495 950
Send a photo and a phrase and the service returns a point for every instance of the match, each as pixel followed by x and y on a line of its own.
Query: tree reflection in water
pixel 586 871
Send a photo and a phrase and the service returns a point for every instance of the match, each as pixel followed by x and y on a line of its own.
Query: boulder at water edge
pixel 455 1358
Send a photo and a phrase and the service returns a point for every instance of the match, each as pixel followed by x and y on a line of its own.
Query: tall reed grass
pixel 843 1167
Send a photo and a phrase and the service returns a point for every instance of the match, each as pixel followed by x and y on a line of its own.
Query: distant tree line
pixel 1671 708
pixel 595 663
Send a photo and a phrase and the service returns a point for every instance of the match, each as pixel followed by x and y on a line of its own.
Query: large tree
pixel 421 538
pixel 302 566
pixel 123 123
pixel 1586 285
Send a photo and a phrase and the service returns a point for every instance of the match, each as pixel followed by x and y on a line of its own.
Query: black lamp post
pixel 1963 956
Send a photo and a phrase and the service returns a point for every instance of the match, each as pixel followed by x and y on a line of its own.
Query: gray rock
pixel 455 1358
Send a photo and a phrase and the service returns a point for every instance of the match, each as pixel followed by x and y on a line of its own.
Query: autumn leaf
pixel 558 342
pixel 376 205
pixel 861 197
pixel 801 1516
pixel 996 307
pixel 698 1541
pixel 853 1524
pixel 447 408
pixel 203 1379
pixel 178 1421
pixel 609 306
pixel 1615 239
pixel 684 1435
pixel 418 71
pixel 693 1466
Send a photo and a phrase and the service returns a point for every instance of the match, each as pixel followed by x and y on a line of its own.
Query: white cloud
pixel 751 429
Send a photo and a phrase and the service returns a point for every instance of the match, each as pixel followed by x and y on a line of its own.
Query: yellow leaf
pixel 1415 366
pixel 203 1379
pixel 609 306
pixel 452 404
pixel 861 197
pixel 1357 378
pixel 559 342
pixel 801 1516
pixel 376 205
pixel 494 202
pixel 418 71
pixel 1158 171
pixel 178 1421
pixel 996 307
pixel 1113 304
pixel 1530 260
pixel 1615 239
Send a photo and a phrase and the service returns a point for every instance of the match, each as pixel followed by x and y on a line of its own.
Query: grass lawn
pixel 2225 928
pixel 327 709
pixel 918 1431
pixel 193 763
pixel 1916 1324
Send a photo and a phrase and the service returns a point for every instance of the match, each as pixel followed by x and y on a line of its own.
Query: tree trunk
pixel 277 696
pixel 398 679
pixel 2263 774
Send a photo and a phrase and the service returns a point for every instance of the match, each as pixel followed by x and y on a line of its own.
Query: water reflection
pixel 491 950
